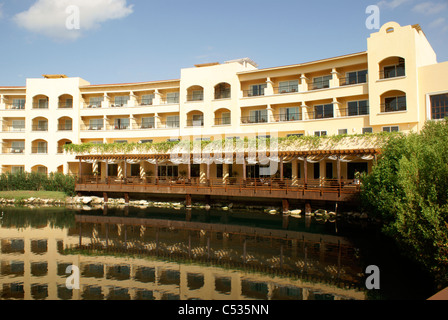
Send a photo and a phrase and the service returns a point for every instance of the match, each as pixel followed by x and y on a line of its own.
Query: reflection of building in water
pixel 33 264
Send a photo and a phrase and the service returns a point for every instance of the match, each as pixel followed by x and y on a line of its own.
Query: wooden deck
pixel 326 190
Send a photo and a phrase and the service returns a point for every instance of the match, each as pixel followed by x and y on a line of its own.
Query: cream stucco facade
pixel 388 87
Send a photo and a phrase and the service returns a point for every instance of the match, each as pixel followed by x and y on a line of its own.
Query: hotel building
pixel 395 85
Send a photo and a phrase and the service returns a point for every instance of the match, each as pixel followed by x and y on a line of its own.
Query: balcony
pixel 352 80
pixel 65 105
pixel 393 107
pixel 39 128
pixel 14 150
pixel 222 121
pixel 287 117
pixel 118 127
pixel 143 126
pixel 65 127
pixel 286 89
pixel 169 124
pixel 39 150
pixel 252 119
pixel 253 93
pixel 195 123
pixel 393 72
pixel 223 94
pixel 319 85
pixel 15 107
pixel 40 105
pixel 10 128
pixel 92 127
pixel 145 102
pixel 195 97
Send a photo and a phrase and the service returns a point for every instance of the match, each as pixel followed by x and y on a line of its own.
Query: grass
pixel 21 195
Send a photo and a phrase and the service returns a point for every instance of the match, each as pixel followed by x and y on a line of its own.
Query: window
pixel 146 141
pixel 121 123
pixel 316 171
pixel 172 97
pixel 198 120
pixel 42 125
pixel 96 124
pixel 172 121
pixel 329 170
pixel 42 104
pixel 135 170
pixel 147 123
pixel 320 133
pixel 290 114
pixel 121 101
pixel 355 77
pixel 197 95
pixel 439 106
pixel 342 131
pixel 367 130
pixel 323 111
pixel 16 169
pixel 173 140
pixel 42 170
pixel 95 102
pixel 120 141
pixel 295 135
pixel 391 129
pixel 257 116
pixel 395 70
pixel 225 118
pixel 18 103
pixel 168 171
pixel 288 86
pixel 257 90
pixel 358 108
pixel 112 170
pixel 321 82
pixel 18 125
pixel 66 125
pixel 42 147
pixel 392 104
pixel 147 99
pixel 18 146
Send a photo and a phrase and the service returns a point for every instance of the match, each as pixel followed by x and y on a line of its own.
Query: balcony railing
pixel 169 124
pixel 195 97
pixel 353 80
pixel 353 112
pixel 40 128
pixel 94 105
pixel 195 123
pixel 15 150
pixel 65 105
pixel 38 105
pixel 118 105
pixel 393 72
pixel 223 94
pixel 222 121
pixel 319 85
pixel 252 119
pixel 169 100
pixel 39 150
pixel 143 126
pixel 392 107
pixel 13 128
pixel 145 102
pixel 286 89
pixel 15 107
pixel 287 117
pixel 253 93
pixel 65 127
pixel 92 127
pixel 118 127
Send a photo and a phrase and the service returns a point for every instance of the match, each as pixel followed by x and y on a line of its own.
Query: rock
pixel 273 211
pixel 207 207
pixel 86 200
pixel 225 208
pixel 295 211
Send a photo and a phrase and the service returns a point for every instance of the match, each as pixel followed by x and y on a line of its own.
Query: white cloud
pixel 49 17
pixel 438 23
pixel 429 8
pixel 392 4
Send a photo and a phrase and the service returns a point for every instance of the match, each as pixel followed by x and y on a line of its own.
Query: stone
pixel 86 200
pixel 273 211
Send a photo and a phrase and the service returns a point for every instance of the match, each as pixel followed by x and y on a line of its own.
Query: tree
pixel 408 190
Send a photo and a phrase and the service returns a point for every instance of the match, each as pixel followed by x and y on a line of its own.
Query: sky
pixel 121 41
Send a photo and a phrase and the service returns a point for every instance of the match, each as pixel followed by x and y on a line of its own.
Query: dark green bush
pixel 38 182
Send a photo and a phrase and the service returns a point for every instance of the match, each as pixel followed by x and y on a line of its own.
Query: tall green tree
pixel 408 190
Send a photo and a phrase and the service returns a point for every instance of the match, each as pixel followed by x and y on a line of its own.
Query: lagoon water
pixel 163 254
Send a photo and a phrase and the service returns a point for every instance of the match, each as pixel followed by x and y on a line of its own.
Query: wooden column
pixel 305 171
pixel 125 169
pixel 188 200
pixel 338 163
pixel 285 205
pixel 244 169
pixel 107 169
pixel 80 170
pixel 281 168
pixel 208 172
pixel 157 171
pixel 189 170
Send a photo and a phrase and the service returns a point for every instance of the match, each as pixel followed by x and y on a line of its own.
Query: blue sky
pixel 145 40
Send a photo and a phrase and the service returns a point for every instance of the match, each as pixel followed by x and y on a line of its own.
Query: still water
pixel 163 254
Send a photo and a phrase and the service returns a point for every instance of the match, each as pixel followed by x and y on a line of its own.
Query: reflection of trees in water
pixel 54 217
